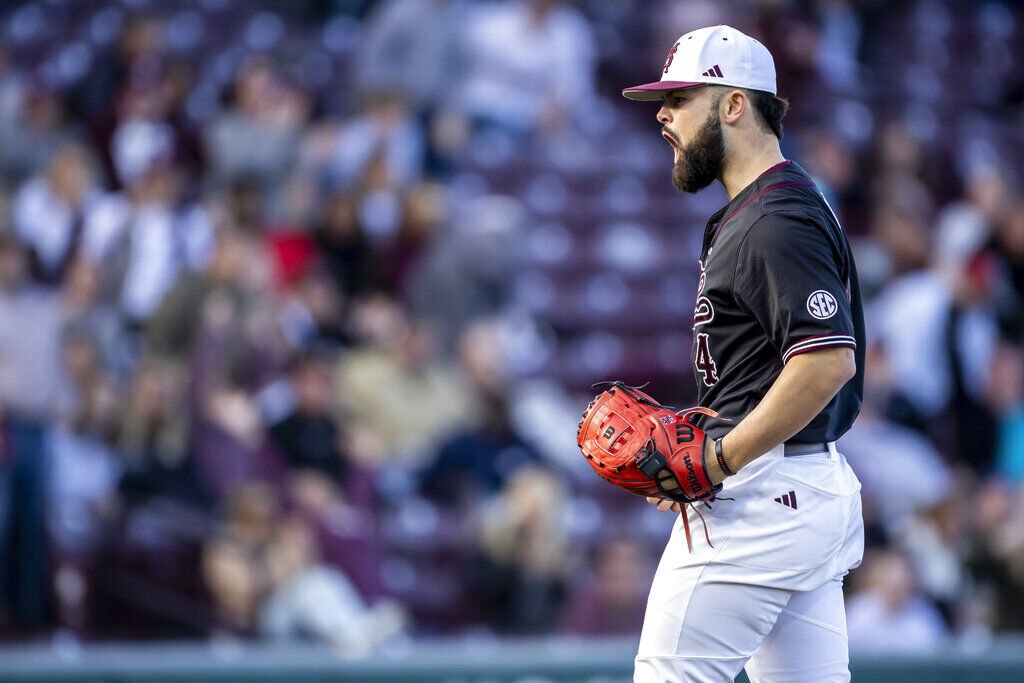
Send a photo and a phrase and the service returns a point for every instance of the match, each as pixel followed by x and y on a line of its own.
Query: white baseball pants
pixel 768 595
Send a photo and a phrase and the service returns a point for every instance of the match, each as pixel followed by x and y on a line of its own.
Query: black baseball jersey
pixel 777 279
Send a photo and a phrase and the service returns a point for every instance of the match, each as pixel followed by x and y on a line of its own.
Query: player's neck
pixel 744 169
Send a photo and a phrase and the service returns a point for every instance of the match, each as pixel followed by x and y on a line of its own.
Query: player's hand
pixel 665 505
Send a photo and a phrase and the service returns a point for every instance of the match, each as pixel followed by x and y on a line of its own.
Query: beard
pixel 700 161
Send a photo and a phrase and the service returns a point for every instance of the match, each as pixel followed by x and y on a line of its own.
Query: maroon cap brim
pixel 653 91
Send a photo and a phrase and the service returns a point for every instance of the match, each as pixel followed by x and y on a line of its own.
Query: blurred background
pixel 300 303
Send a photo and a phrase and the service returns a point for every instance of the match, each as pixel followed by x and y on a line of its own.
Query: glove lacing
pixel 686 526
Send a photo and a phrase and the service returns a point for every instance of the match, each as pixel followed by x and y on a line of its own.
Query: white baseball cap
pixel 718 55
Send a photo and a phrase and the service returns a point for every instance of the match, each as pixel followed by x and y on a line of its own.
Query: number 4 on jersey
pixel 705 363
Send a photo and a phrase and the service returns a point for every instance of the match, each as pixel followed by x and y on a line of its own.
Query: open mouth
pixel 675 147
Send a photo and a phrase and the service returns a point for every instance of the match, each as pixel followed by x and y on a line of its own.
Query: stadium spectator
pixel 82 500
pixel 996 545
pixel 910 317
pixel 424 215
pixel 230 441
pixel 889 616
pixel 412 47
pixel 934 543
pixel 85 308
pixel 474 465
pixel 380 149
pixel 1007 247
pixel 345 249
pixel 400 389
pixel 247 204
pixel 34 128
pixel 257 135
pixel 308 436
pixel 146 236
pixel 142 37
pixel 264 572
pixel 172 329
pixel 1006 399
pixel 518 577
pixel 50 210
pixel 254 551
pixel 536 57
pixel 466 273
pixel 30 385
pixel 611 600
pixel 900 469
pixel 154 440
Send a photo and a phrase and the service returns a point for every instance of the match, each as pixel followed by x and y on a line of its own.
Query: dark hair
pixel 770 109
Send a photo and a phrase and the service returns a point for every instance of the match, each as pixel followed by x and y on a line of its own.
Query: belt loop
pixel 832 450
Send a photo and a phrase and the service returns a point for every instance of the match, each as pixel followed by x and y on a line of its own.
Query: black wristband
pixel 721 458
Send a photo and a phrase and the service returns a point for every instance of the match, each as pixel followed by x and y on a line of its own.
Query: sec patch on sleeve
pixel 822 305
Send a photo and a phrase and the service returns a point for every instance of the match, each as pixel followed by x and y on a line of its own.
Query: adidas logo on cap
pixel 736 60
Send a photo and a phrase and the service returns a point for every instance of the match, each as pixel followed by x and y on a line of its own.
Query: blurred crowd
pixel 300 304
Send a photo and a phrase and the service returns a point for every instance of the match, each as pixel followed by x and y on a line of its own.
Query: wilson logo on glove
pixel 684 433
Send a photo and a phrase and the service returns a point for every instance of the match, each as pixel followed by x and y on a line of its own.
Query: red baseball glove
pixel 648 449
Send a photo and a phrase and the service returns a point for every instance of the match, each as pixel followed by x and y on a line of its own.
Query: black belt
pixel 804 448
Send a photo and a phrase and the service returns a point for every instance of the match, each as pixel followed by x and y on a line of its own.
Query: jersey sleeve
pixel 789 277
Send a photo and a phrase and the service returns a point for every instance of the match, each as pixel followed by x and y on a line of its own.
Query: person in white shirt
pixel 146 237
pixel 49 212
pixel 527 61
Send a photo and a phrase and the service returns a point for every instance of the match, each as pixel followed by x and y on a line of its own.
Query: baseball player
pixel 778 354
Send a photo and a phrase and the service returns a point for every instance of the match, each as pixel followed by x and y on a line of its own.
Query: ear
pixel 732 106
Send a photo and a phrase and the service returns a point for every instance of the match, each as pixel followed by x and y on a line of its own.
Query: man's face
pixel 691 124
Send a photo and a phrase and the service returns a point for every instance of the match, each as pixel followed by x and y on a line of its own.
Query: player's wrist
pixel 720 458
